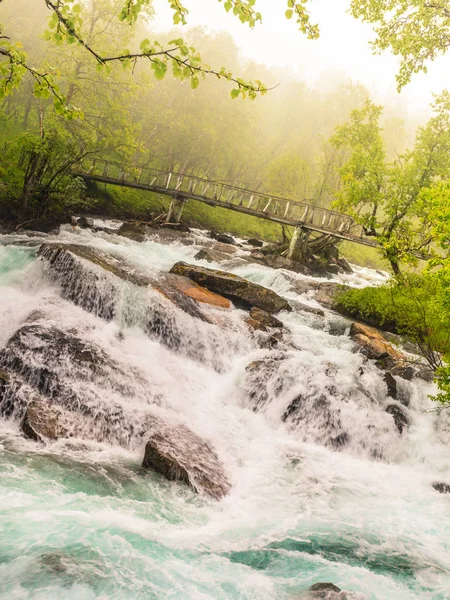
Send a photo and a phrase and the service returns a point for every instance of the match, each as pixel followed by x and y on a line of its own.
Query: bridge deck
pixel 216 193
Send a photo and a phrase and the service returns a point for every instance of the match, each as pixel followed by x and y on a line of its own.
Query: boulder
pixel 255 325
pixel 400 418
pixel 442 488
pixel 275 261
pixel 44 421
pixel 180 455
pixel 190 289
pixel 333 268
pixel 133 231
pixel 255 243
pixel 324 591
pixel 327 293
pixel 92 279
pixel 391 384
pixel 374 345
pixel 223 238
pixel 210 255
pixel 85 222
pixel 264 318
pixel 232 286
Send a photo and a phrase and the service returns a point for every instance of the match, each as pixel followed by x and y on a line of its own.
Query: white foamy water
pixel 335 494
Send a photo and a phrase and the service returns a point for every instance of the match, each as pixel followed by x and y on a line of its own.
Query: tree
pixel 386 198
pixel 417 31
pixel 66 25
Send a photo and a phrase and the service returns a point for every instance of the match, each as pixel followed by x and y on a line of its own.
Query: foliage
pixel 416 30
pixel 36 170
pixel 407 308
pixel 386 197
pixel 67 26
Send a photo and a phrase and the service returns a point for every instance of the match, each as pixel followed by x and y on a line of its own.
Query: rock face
pixel 133 231
pixel 180 455
pixel 236 288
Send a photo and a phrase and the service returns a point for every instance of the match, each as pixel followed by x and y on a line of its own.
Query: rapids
pixel 81 520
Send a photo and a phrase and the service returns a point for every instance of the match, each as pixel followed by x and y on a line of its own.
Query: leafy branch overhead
pixel 185 63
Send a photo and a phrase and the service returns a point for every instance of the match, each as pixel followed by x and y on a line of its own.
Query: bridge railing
pixel 191 186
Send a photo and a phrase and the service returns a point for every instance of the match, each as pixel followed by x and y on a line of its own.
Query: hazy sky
pixel 342 47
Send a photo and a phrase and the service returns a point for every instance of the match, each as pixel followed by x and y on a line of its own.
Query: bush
pixel 408 308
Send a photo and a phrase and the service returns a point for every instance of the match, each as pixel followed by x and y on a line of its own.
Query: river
pixel 81 520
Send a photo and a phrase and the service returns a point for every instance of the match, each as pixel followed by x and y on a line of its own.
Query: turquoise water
pixel 81 520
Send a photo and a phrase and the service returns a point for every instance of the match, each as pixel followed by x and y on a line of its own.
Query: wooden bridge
pixel 182 187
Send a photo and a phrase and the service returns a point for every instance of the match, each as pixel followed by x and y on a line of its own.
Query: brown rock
pixel 44 421
pixel 180 455
pixel 254 324
pixel 264 318
pixel 280 262
pixel 234 287
pixel 196 292
pixel 327 292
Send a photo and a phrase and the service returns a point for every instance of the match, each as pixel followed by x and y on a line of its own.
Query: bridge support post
pixel 297 247
pixel 175 210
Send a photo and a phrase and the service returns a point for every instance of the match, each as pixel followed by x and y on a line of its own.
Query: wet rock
pixel 327 293
pixel 323 591
pixel 133 231
pixel 374 345
pixel 236 288
pixel 15 395
pixel 169 236
pixel 442 488
pixel 85 222
pixel 308 309
pixel 345 266
pixel 255 325
pixel 212 255
pixel 304 286
pixel 400 419
pixel 180 455
pixel 275 261
pixel 273 341
pixel 333 268
pixel 391 384
pixel 263 380
pixel 44 421
pixel 92 279
pixel 223 238
pixel 264 318
pixel 404 371
pixel 190 289
pixel 255 243
pixel 78 376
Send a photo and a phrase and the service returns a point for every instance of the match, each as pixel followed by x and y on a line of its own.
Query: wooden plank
pixel 287 209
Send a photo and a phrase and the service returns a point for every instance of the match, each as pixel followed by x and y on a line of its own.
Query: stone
pixel 374 345
pixel 92 279
pixel 235 288
pixel 85 222
pixel 193 290
pixel 442 488
pixel 44 421
pixel 210 255
pixel 264 318
pixel 324 587
pixel 327 293
pixel 133 231
pixel 255 325
pixel 404 371
pixel 275 261
pixel 255 243
pixel 223 238
pixel 400 419
pixel 345 266
pixel 180 455
pixel 391 384
pixel 333 268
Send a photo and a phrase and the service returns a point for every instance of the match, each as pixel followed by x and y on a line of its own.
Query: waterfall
pixel 323 486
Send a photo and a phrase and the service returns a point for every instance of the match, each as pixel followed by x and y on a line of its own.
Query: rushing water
pixel 81 520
